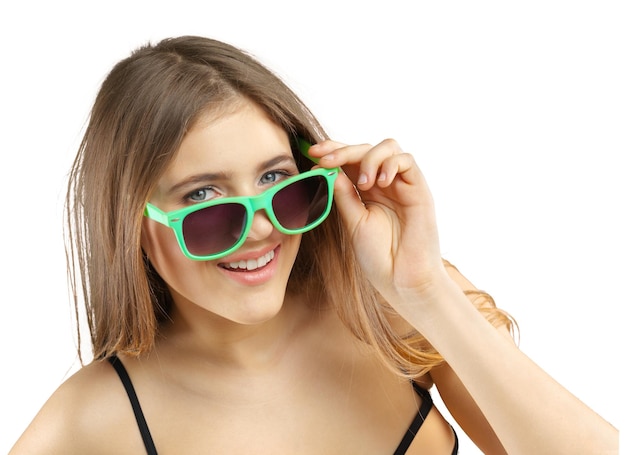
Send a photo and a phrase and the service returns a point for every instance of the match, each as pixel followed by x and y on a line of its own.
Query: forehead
pixel 229 141
pixel 233 145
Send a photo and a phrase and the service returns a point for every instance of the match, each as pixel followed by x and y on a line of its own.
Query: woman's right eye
pixel 201 195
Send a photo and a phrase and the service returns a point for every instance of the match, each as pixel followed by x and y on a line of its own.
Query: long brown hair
pixel 143 109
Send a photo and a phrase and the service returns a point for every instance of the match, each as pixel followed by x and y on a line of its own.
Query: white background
pixel 516 111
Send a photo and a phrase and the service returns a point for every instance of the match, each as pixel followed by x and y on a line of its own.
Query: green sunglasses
pixel 214 229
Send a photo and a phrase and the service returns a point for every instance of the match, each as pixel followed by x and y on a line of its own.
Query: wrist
pixel 427 305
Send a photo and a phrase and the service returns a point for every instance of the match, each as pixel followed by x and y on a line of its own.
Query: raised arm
pixel 392 225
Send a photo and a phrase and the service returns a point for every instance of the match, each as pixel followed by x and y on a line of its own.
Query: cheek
pixel 160 245
pixel 290 249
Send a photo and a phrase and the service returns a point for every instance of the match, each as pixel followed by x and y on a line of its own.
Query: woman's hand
pixel 390 216
pixel 393 229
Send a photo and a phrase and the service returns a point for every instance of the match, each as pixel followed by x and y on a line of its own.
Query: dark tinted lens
pixel 301 203
pixel 214 229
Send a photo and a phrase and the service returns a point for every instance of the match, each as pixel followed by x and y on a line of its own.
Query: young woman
pixel 248 292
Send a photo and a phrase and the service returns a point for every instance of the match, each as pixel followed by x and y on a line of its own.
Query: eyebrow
pixel 212 176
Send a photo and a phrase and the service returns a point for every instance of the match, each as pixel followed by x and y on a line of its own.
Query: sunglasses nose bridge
pixel 262 202
pixel 258 202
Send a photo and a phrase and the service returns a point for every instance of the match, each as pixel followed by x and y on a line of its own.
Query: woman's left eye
pixel 274 177
pixel 201 194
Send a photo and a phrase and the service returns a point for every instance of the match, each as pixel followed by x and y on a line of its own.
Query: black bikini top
pixel 427 404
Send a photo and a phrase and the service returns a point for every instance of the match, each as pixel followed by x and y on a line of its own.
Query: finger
pixel 402 165
pixel 371 167
pixel 324 152
pixel 322 148
pixel 333 153
pixel 348 202
pixel 360 162
pixel 336 154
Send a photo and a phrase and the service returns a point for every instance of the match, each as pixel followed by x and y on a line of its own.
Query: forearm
pixel 528 410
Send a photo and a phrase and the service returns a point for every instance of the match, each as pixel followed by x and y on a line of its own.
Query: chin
pixel 256 310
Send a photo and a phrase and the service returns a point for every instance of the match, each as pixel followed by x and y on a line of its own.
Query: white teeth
pixel 252 264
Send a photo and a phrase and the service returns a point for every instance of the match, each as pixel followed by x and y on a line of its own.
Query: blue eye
pixel 275 176
pixel 202 194
pixel 269 177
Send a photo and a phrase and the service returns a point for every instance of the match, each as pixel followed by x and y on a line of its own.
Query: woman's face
pixel 239 154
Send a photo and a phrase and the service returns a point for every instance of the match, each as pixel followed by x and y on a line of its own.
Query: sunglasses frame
pixel 252 204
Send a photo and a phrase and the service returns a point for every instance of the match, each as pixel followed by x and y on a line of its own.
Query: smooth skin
pixel 246 367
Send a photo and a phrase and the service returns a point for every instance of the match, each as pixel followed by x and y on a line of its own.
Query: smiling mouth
pixel 250 264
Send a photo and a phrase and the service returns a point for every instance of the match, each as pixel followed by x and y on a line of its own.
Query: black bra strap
pixel 427 404
pixel 455 450
pixel 134 401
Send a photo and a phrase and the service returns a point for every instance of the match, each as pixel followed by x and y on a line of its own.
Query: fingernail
pixel 362 179
pixel 382 176
pixel 329 157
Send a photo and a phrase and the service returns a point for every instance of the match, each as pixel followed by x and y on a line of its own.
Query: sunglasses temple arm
pixel 156 214
pixel 304 149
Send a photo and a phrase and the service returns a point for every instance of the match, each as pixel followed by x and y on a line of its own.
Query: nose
pixel 261 227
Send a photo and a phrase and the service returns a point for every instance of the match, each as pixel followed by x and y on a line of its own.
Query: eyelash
pixel 285 174
pixel 189 196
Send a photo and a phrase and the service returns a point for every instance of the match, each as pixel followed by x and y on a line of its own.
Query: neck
pixel 206 338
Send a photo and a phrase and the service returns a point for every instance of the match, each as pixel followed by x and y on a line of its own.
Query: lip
pixel 254 277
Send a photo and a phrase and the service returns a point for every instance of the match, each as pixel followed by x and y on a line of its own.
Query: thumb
pixel 348 202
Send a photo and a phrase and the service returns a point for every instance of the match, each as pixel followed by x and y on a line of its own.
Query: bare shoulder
pixel 88 413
